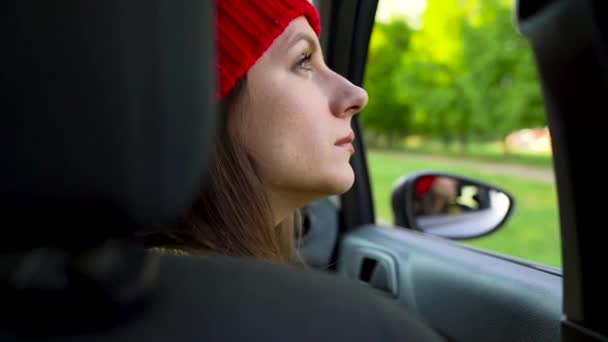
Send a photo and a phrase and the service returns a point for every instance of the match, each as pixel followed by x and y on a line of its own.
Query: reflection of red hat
pixel 423 184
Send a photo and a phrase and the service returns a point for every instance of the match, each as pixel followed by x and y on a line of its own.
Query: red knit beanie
pixel 247 28
pixel 423 185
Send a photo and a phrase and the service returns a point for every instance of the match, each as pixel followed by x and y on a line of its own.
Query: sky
pixel 410 9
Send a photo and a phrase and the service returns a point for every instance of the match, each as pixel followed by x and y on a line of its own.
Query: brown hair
pixel 232 215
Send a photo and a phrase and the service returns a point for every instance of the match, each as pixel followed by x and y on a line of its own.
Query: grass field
pixel 532 233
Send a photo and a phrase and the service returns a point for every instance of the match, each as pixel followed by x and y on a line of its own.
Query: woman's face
pixel 294 119
pixel 446 188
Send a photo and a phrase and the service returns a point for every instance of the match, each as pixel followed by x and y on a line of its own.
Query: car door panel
pixel 464 294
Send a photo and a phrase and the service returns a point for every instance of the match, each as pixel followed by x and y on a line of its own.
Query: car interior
pixel 466 293
pixel 109 121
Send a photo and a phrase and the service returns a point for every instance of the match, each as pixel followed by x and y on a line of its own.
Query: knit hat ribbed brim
pixel 247 28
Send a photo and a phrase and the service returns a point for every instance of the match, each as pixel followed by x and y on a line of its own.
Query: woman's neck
pixel 284 203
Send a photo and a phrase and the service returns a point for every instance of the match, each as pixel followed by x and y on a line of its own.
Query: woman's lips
pixel 347 142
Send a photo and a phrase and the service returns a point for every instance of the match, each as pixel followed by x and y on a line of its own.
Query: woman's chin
pixel 322 185
pixel 341 182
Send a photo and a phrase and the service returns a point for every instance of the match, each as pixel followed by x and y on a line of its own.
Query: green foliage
pixel 500 78
pixel 389 112
pixel 466 73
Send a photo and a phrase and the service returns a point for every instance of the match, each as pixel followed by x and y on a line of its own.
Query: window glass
pixel 453 88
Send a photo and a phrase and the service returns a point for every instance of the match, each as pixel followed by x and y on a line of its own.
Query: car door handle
pixel 379 270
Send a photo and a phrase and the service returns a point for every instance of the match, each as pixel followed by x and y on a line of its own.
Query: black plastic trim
pixel 351 25
pixel 569 48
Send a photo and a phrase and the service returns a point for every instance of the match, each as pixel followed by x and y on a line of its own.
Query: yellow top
pixel 168 250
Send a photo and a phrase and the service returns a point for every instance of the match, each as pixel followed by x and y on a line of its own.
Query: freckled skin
pixel 293 112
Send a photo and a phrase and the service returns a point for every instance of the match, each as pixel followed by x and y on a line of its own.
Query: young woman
pixel 286 138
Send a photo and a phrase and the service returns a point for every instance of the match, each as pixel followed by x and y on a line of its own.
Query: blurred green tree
pixel 467 72
pixel 388 114
pixel 500 79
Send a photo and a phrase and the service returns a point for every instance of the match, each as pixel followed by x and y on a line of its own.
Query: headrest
pixel 106 116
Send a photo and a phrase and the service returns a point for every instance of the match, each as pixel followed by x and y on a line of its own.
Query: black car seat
pixel 106 126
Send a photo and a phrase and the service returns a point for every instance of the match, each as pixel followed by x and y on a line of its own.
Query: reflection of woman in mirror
pixel 436 195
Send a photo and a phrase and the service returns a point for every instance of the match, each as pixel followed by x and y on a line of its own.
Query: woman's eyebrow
pixel 295 38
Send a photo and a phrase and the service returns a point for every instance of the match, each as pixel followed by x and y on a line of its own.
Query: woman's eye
pixel 304 63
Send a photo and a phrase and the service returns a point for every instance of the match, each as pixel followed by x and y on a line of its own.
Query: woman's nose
pixel 349 99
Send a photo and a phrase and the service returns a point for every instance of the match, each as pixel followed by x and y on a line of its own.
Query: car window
pixel 453 88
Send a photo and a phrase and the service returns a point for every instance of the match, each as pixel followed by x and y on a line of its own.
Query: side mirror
pixel 450 206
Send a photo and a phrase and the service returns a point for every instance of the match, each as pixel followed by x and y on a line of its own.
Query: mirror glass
pixel 453 207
